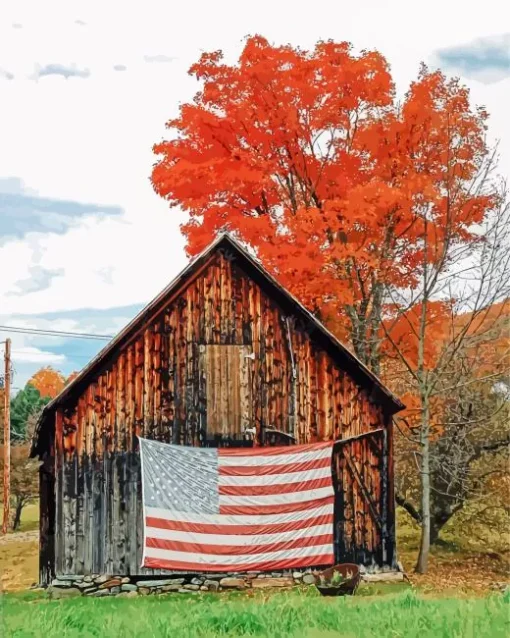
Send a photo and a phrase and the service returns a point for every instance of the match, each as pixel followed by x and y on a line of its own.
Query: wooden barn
pixel 224 356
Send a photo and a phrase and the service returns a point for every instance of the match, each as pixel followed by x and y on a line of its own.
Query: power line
pixel 54 333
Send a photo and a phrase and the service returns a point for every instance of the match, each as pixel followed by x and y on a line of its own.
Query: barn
pixel 224 356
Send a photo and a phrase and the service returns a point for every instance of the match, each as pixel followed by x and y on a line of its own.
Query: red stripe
pixel 258 510
pixel 237 550
pixel 209 528
pixel 273 451
pixel 325 560
pixel 283 488
pixel 258 470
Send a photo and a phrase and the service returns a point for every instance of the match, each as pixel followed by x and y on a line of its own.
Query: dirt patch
pixel 459 572
pixel 19 561
pixel 6 539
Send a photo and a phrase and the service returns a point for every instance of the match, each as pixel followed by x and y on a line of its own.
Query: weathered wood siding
pixel 225 372
pixel 364 528
pixel 217 358
pixel 159 385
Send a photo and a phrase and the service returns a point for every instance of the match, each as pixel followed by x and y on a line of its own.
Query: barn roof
pixel 287 302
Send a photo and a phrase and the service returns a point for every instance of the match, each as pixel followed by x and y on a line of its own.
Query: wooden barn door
pixel 360 475
pixel 226 384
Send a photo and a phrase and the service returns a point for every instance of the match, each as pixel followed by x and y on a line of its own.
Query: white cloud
pixel 66 71
pixel 33 351
pixel 29 354
pixel 158 59
pixel 6 75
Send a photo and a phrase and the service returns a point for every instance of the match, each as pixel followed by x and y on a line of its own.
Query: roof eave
pixel 397 404
pixel 126 330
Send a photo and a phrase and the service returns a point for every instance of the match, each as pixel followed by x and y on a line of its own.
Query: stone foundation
pixel 133 586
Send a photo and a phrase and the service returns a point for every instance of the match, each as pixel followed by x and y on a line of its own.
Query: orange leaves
pixel 71 377
pixel 48 381
pixel 307 155
pixel 479 342
pixel 409 329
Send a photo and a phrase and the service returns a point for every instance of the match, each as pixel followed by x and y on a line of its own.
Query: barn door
pixel 359 471
pixel 226 375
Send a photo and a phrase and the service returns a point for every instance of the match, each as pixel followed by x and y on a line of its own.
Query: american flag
pixel 236 509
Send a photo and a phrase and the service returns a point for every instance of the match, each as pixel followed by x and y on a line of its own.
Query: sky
pixel 85 91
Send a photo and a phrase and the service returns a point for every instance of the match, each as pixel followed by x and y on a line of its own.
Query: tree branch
pixel 409 507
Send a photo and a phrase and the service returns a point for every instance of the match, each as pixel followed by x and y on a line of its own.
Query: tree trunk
pixel 423 557
pixel 363 337
pixel 17 514
pixel 442 511
pixel 434 533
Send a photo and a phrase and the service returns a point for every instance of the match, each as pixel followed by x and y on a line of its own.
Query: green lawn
pixel 29 517
pixel 300 614
pixel 452 602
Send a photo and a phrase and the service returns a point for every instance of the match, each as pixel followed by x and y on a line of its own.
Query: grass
pixel 453 600
pixel 296 613
pixel 456 567
pixel 29 517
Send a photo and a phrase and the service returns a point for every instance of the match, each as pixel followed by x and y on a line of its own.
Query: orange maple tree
pixel 48 381
pixel 309 158
pixel 364 207
pixel 483 357
pixel 71 377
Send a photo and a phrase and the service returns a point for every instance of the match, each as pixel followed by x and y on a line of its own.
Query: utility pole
pixel 7 435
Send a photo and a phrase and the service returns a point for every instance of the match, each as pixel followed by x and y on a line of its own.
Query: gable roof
pixel 285 300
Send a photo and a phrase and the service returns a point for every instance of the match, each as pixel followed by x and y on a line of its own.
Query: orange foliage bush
pixel 48 381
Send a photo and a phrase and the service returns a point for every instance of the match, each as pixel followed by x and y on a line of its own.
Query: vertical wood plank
pixel 130 398
pixel 138 388
pixel 245 402
pixel 224 415
pixel 88 515
pixel 120 412
pixel 147 374
pixel 79 498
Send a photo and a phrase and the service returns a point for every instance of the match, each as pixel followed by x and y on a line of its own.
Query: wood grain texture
pixel 219 358
pixel 228 389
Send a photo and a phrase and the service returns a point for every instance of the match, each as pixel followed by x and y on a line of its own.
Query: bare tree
pixel 462 298
pixel 468 460
pixel 24 473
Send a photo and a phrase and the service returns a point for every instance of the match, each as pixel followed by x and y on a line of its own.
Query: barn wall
pixel 156 385
pixel 167 383
pixel 364 529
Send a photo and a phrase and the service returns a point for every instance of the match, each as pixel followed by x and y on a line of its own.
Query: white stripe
pixel 276 459
pixel 244 540
pixel 231 519
pixel 278 499
pixel 212 559
pixel 275 479
pixel 142 449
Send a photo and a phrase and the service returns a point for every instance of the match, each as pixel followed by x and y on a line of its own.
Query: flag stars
pixel 181 480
